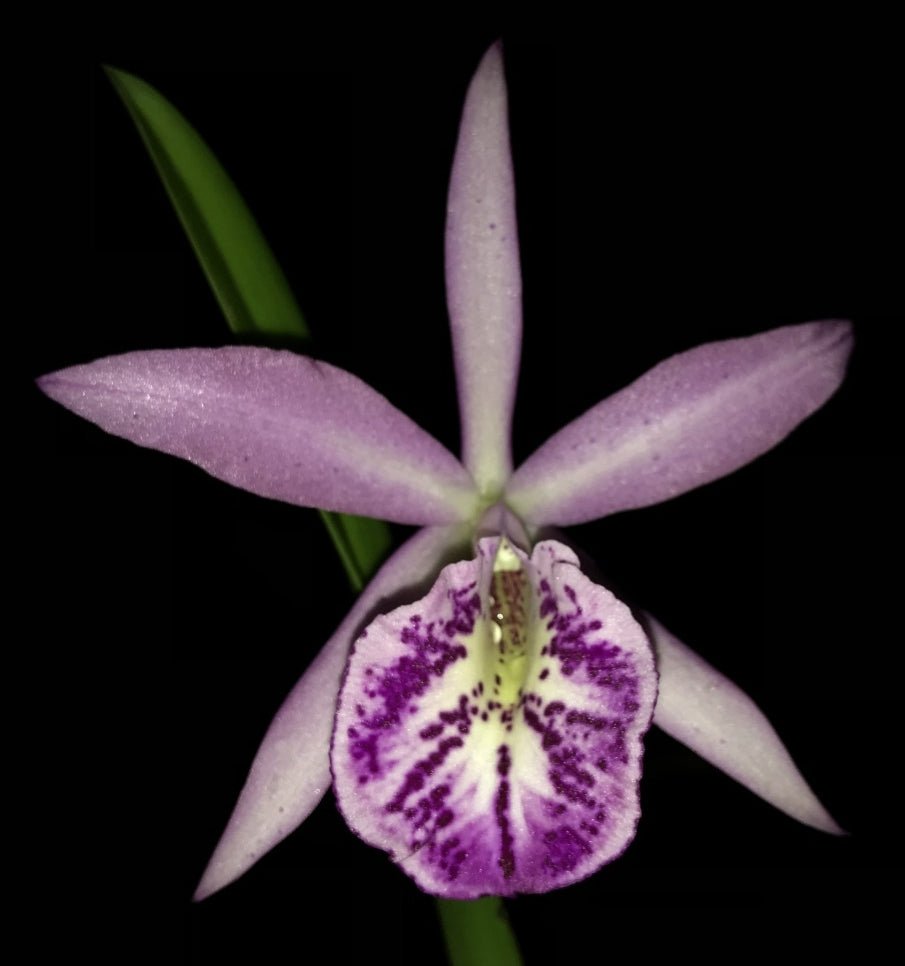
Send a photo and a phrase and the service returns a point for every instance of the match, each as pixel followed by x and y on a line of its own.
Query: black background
pixel 668 194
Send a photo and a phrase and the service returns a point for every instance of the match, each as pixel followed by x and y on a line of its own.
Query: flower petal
pixel 689 420
pixel 483 279
pixel 291 771
pixel 489 736
pixel 277 424
pixel 718 721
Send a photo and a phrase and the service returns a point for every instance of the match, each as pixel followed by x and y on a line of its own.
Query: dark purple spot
pixel 551 739
pixel 505 760
pixel 506 860
pixel 570 791
pixel 414 779
pixel 449 845
pixel 565 849
pixel 582 717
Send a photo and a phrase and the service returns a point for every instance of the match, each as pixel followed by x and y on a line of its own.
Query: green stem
pixel 478 933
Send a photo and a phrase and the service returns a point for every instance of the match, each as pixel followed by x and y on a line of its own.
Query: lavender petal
pixel 689 420
pixel 291 771
pixel 275 423
pixel 704 710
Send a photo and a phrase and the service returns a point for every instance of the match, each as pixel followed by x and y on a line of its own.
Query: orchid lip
pixel 488 737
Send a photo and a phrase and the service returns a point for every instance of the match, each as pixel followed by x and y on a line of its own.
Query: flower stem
pixel 478 933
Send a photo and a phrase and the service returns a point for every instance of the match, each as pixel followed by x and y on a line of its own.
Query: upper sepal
pixel 489 736
pixel 483 277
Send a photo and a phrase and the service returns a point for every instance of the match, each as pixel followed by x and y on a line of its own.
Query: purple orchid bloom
pixel 489 735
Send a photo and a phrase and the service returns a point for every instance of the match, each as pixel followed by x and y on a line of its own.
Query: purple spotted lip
pixel 489 736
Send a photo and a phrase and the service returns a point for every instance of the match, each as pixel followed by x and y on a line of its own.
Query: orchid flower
pixel 480 711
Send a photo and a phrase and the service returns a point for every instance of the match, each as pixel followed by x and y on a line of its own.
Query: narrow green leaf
pixel 478 933
pixel 240 267
pixel 239 264
pixel 361 542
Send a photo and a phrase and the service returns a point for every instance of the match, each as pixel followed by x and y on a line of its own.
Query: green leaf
pixel 240 266
pixel 361 542
pixel 238 262
pixel 478 933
